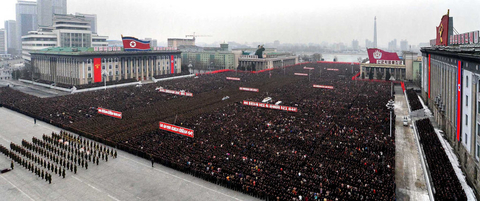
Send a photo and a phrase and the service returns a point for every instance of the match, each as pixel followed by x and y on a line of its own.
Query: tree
pixel 387 76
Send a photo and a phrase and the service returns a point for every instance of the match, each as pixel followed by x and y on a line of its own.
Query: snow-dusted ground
pixel 427 111
pixel 452 157
pixel 456 165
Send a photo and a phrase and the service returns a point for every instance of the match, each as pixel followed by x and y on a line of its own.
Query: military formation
pixel 56 154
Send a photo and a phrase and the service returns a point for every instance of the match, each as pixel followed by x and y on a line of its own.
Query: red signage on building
pixel 322 86
pixel 181 93
pixel 176 129
pixel 108 112
pixel 301 74
pixel 97 69
pixel 429 69
pixel 270 106
pixel 172 64
pixel 233 78
pixel 459 99
pixel 248 89
pixel 442 31
pixel 376 55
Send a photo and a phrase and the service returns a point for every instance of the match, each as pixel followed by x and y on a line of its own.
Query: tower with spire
pixel 375 32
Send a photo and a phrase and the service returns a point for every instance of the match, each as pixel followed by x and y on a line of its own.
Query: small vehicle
pixel 405 121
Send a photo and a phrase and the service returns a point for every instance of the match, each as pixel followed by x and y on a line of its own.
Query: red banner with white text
pixel 322 86
pixel 301 74
pixel 176 129
pixel 180 93
pixel 270 106
pixel 233 78
pixel 248 89
pixel 108 112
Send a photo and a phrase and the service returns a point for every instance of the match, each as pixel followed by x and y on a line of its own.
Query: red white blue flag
pixel 135 44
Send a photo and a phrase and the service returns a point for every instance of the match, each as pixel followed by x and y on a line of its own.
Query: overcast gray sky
pixel 265 21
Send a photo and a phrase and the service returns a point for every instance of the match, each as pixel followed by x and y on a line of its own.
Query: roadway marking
pixel 113 197
pixel 182 178
pixel 17 188
pixel 94 188
pixel 77 178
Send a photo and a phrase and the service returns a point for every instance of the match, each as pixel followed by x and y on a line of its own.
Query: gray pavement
pixel 39 91
pixel 409 177
pixel 127 177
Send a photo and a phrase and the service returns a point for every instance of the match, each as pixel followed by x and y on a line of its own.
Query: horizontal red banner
pixel 248 89
pixel 109 112
pixel 176 129
pixel 270 106
pixel 233 78
pixel 332 69
pixel 181 93
pixel 322 86
pixel 301 74
pixel 308 68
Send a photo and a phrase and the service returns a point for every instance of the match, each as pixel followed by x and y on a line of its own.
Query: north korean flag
pixel 134 44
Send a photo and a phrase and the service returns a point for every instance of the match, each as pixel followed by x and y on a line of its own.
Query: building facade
pixel 75 66
pixel 26 18
pixel 450 86
pixel 175 42
pixel 66 31
pixel 209 60
pixel 451 89
pixel 46 10
pixel 3 47
pixel 92 18
pixel 11 36
pixel 253 63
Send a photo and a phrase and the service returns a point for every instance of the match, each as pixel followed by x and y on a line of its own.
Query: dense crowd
pixel 445 181
pixel 335 147
pixel 413 100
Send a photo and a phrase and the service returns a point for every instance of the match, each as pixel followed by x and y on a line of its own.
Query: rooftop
pixel 90 50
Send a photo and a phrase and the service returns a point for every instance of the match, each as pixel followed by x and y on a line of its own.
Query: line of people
pixel 445 181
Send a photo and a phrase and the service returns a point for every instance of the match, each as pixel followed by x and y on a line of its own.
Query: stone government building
pixel 74 66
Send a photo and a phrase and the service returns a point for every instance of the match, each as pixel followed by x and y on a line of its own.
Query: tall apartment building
pixel 26 18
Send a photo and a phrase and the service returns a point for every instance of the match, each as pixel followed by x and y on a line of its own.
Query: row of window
pixel 89 75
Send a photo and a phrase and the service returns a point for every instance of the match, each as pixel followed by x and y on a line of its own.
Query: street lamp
pixel 390 106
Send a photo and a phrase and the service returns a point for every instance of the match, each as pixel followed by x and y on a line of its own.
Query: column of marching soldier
pixel 63 151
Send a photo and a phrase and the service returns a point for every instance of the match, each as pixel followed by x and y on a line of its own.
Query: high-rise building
pixel 47 8
pixel 276 43
pixel 375 32
pixel 355 45
pixel 392 45
pixel 404 45
pixel 153 42
pixel 3 48
pixel 92 18
pixel 11 37
pixel 67 31
pixel 368 43
pixel 26 17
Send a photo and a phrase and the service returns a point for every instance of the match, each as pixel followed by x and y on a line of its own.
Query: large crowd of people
pixel 445 181
pixel 413 100
pixel 335 147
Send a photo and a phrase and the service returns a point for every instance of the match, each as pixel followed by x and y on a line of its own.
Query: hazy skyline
pixel 262 21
